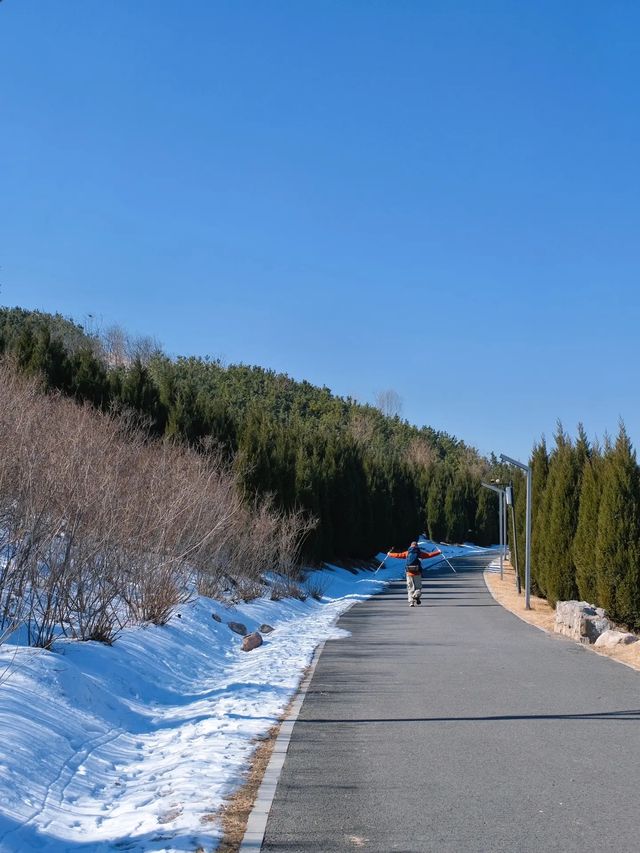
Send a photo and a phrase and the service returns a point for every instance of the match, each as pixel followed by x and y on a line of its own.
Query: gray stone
pixel 238 627
pixel 266 629
pixel 251 641
pixel 581 621
pixel 610 639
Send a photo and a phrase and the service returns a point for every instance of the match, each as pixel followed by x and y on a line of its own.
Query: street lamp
pixel 527 560
pixel 501 492
pixel 510 501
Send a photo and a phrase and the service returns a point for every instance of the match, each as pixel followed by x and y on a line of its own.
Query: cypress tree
pixel 618 540
pixel 584 542
pixel 539 472
pixel 486 520
pixel 454 511
pixel 561 501
pixel 436 518
pixel 519 511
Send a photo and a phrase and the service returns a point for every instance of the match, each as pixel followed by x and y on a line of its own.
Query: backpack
pixel 413 557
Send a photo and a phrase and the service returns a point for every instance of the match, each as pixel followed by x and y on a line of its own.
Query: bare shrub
pixel 101 527
pixel 315 587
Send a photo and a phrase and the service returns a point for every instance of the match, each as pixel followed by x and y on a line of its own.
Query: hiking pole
pixel 449 564
pixel 447 561
pixel 384 561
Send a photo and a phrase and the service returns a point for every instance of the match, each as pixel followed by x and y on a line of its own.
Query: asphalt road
pixel 455 727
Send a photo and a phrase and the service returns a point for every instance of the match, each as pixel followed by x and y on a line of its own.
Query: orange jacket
pixel 412 569
pixel 424 555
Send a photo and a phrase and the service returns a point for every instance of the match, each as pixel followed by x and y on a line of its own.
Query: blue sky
pixel 442 198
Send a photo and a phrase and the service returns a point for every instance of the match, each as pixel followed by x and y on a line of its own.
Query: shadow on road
pixel 613 716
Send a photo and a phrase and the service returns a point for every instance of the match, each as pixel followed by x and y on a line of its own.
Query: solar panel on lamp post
pixel 527 559
pixel 501 509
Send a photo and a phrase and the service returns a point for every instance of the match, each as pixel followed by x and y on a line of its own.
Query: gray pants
pixel 414 587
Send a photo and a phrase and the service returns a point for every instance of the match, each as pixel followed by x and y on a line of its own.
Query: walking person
pixel 413 569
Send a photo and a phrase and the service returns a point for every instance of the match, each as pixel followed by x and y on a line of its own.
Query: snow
pixel 134 746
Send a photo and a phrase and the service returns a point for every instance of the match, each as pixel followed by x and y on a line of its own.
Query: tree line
pixel 585 522
pixel 370 480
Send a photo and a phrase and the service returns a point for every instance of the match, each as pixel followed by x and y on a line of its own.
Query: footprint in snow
pixel 170 815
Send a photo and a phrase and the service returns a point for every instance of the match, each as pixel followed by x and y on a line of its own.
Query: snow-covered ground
pixel 133 747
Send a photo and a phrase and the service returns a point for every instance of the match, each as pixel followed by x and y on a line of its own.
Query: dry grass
pixel 235 812
pixel 542 615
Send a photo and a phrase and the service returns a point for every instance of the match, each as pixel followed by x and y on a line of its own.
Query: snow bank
pixel 133 747
pixel 130 747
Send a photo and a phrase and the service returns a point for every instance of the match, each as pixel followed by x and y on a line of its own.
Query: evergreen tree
pixel 486 520
pixel 584 542
pixel 539 474
pixel 460 508
pixel 436 517
pixel 520 514
pixel 89 381
pixel 618 539
pixel 561 517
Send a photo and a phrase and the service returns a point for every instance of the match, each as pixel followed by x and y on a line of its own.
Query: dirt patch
pixel 234 814
pixel 542 615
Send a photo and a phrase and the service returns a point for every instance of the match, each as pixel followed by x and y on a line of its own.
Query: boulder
pixel 266 629
pixel 610 639
pixel 251 641
pixel 238 627
pixel 581 621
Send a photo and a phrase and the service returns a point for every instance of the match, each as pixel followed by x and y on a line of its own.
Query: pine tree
pixel 618 540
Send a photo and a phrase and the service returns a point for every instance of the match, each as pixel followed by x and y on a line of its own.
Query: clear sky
pixel 442 198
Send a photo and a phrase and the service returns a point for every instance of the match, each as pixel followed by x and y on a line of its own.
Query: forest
pixel 367 479
pixel 363 480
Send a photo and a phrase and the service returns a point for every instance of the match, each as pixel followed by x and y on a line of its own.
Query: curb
pixel 257 823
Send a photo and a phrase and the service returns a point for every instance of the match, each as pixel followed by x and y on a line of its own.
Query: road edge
pixel 590 648
pixel 257 822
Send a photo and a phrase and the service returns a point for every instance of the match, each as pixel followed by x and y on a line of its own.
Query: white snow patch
pixel 129 747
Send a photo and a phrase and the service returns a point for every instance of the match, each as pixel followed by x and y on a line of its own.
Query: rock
pixel 581 621
pixel 610 639
pixel 238 627
pixel 251 641
pixel 216 618
pixel 266 629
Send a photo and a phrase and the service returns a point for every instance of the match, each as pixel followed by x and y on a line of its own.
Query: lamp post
pixel 509 498
pixel 527 559
pixel 501 513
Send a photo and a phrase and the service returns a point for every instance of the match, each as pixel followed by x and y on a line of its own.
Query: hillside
pixel 370 480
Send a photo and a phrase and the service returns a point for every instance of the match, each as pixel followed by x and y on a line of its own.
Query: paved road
pixel 457 728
